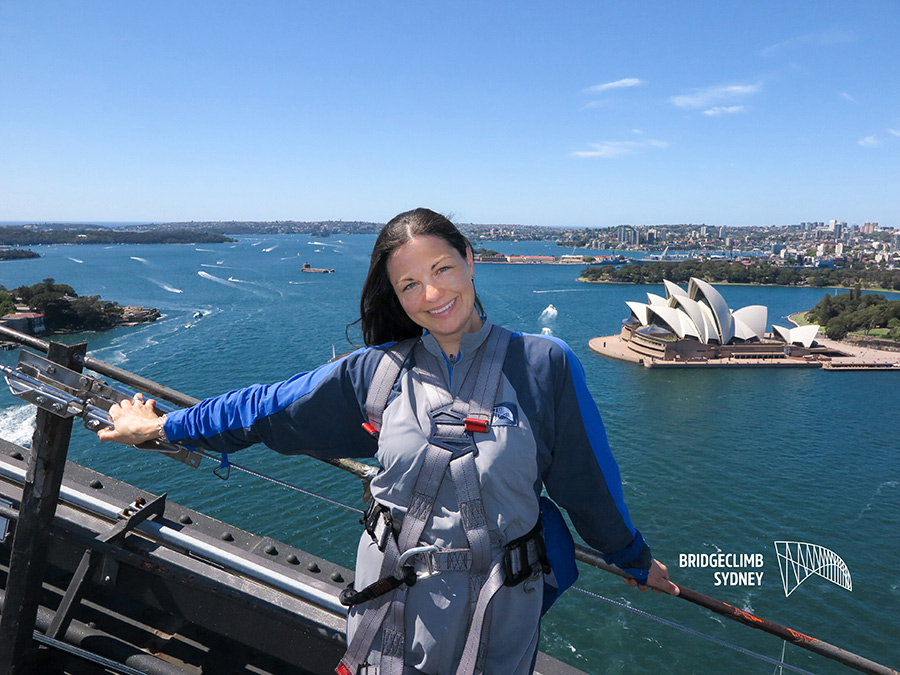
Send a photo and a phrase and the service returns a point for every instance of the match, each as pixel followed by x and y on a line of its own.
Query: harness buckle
pixel 522 555
pixel 378 523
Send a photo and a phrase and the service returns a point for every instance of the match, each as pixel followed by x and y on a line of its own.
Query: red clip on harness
pixel 473 424
pixel 476 425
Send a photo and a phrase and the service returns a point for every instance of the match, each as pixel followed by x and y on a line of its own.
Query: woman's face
pixel 434 285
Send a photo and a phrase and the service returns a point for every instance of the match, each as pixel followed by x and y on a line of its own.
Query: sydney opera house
pixel 696 326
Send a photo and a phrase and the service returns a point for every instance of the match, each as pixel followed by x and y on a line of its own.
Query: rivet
pixel 271 550
pixel 312 567
pixel 185 520
pixel 226 536
pixel 96 484
pixel 336 576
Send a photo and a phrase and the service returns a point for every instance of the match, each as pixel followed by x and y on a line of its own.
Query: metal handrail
pixel 582 553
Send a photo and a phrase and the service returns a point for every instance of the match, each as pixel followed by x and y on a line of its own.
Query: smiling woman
pixel 383 302
pixel 469 422
pixel 434 284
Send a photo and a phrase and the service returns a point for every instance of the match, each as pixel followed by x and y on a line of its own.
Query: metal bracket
pixel 134 515
pixel 66 393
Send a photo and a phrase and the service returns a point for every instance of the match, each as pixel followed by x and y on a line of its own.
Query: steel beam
pixel 28 558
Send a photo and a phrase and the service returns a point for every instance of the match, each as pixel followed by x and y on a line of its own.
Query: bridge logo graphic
pixel 797 561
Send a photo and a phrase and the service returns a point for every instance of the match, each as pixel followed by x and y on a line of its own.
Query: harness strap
pixel 383 381
pixel 447 441
pixel 450 445
pixel 479 629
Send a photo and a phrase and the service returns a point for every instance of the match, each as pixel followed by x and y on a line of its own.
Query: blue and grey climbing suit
pixel 544 432
pixel 454 421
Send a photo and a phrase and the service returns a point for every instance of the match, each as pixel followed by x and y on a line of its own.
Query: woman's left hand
pixel 657 579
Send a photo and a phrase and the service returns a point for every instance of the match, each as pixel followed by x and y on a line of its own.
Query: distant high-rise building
pixel 627 235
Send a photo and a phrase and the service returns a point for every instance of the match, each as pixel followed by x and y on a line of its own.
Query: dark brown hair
pixel 381 316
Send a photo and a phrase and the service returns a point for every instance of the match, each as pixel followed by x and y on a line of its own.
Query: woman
pixel 474 421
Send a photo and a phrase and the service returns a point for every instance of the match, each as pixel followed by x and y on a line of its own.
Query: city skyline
pixel 582 115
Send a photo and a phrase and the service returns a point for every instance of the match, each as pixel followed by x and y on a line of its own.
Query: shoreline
pixel 856 357
pixel 876 289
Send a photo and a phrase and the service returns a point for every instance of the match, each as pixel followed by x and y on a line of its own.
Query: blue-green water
pixel 712 460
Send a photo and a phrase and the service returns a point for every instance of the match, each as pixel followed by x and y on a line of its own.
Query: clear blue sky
pixel 581 113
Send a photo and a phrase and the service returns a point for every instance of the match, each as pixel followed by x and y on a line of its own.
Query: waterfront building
pixel 31 323
pixel 696 327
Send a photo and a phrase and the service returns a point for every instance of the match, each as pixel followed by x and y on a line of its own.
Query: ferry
pixel 316 270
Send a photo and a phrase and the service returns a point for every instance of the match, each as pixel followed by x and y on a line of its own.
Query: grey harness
pixel 451 446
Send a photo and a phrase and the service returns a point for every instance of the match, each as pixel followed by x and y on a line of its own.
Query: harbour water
pixel 712 461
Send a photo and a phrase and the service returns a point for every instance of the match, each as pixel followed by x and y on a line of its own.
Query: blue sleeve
pixel 582 475
pixel 318 413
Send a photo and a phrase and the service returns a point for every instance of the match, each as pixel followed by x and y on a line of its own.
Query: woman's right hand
pixel 135 421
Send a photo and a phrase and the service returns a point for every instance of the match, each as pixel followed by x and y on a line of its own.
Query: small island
pixel 17 254
pixel 49 307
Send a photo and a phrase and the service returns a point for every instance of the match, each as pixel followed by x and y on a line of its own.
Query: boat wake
pixel 218 280
pixel 260 289
pixel 17 424
pixel 166 287
pixel 116 357
pixel 140 260
pixel 548 315
pixel 565 290
pixel 80 262
pixel 877 497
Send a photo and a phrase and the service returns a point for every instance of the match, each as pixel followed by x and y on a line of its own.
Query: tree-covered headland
pixel 870 313
pixel 63 309
pixel 723 271
pixel 26 236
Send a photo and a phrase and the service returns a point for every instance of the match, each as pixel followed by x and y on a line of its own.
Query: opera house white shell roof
pixel 701 313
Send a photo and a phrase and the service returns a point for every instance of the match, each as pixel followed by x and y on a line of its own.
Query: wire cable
pixel 282 483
